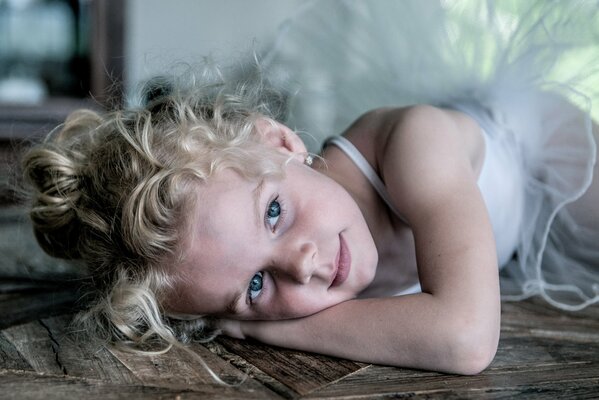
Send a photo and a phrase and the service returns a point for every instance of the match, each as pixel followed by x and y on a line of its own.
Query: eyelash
pixel 281 216
pixel 262 288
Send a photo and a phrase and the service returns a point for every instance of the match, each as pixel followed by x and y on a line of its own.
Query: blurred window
pixel 44 50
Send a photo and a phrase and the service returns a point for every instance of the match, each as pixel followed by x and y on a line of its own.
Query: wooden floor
pixel 543 354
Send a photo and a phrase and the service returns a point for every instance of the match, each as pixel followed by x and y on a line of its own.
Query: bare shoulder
pixel 383 126
pixel 427 154
pixel 422 153
pixel 428 126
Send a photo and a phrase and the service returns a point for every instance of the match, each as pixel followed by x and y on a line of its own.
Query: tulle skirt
pixel 533 64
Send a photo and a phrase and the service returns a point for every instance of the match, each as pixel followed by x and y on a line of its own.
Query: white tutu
pixel 510 63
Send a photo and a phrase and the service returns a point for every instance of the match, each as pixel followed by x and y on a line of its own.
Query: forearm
pixel 418 331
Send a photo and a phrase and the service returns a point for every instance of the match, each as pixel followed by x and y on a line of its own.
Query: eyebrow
pixel 257 193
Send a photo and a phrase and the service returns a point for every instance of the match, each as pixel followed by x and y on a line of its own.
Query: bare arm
pixel 453 325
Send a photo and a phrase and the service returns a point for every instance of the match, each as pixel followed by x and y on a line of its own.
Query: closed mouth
pixel 342 263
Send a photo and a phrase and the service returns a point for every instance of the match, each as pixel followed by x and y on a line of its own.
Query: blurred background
pixel 57 55
pixel 60 55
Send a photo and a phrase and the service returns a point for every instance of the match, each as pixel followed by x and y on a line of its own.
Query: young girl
pixel 200 204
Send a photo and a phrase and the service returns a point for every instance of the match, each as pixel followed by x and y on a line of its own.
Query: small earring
pixel 309 160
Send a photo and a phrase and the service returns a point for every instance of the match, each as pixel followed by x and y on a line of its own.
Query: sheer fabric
pixel 517 67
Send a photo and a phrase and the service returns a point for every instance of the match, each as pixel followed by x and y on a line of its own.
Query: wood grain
pixel 26 385
pixel 10 358
pixel 47 348
pixel 303 372
pixel 376 382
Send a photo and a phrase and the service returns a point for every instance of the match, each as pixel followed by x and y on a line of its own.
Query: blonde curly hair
pixel 113 190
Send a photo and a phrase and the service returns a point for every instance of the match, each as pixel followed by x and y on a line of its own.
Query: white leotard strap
pixel 360 161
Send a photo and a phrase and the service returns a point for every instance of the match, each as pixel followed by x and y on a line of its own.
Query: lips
pixel 343 263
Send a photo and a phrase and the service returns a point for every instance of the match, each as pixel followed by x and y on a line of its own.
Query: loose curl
pixel 112 190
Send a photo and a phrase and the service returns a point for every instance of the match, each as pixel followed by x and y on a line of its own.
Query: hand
pixel 262 331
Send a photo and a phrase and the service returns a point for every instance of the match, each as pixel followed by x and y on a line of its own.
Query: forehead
pixel 224 206
pixel 222 228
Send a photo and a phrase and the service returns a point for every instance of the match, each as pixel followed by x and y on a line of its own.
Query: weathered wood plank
pixel 47 348
pixel 183 370
pixel 516 352
pixel 543 353
pixel 10 358
pixel 251 370
pixel 538 309
pixel 81 358
pixel 35 345
pixel 25 385
pixel 378 381
pixel 303 372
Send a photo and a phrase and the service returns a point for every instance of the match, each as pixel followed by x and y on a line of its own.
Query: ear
pixel 280 137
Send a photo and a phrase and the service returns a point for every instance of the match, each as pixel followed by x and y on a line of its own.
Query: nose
pixel 301 263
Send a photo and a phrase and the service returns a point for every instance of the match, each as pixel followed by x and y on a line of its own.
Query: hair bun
pixel 54 170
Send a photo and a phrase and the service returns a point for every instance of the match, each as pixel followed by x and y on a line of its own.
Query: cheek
pixel 331 207
pixel 288 303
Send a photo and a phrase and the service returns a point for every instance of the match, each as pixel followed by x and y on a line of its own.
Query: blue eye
pixel 255 286
pixel 273 213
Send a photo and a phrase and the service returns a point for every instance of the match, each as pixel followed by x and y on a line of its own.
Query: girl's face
pixel 275 249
